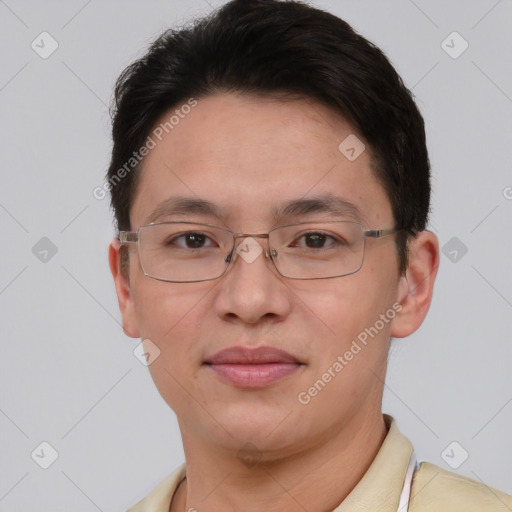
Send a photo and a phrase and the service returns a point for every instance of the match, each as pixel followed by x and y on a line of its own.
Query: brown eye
pixel 190 240
pixel 317 240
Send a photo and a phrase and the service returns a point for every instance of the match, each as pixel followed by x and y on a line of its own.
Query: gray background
pixel 68 375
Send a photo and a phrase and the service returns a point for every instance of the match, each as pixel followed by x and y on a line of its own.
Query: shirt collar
pixel 379 489
pixel 381 485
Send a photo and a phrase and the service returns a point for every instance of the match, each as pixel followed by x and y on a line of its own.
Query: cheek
pixel 345 306
pixel 162 308
pixel 170 315
pixel 348 313
pixel 351 342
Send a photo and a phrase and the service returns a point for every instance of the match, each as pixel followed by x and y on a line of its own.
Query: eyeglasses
pixel 186 252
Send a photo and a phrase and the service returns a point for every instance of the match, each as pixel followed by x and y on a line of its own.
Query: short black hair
pixel 269 47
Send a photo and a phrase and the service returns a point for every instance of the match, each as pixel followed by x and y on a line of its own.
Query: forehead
pixel 249 155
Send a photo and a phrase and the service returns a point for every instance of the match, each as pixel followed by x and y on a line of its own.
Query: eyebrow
pixel 180 205
pixel 327 204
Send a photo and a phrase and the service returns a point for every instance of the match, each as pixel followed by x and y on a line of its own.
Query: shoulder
pixel 435 489
pixel 160 497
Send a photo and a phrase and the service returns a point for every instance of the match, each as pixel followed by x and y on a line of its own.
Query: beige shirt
pixel 433 488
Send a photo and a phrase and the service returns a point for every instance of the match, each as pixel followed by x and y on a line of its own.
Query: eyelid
pixel 209 237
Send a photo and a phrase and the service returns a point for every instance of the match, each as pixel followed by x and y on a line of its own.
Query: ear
pixel 123 290
pixel 417 285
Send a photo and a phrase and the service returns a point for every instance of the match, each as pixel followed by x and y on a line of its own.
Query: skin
pixel 311 456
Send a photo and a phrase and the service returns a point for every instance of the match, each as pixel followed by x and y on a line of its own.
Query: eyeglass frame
pixel 132 237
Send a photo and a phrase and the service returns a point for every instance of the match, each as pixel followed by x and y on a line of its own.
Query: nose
pixel 248 248
pixel 252 289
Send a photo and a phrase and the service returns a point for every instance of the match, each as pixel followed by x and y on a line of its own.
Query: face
pixel 248 157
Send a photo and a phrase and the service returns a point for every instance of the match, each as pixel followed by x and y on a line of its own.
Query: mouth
pixel 253 368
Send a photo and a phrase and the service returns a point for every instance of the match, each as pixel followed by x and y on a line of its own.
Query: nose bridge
pixel 244 252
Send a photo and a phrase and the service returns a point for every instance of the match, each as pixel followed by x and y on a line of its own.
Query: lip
pixel 253 368
pixel 244 355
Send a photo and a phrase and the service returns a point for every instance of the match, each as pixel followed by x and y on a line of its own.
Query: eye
pixel 191 240
pixel 315 240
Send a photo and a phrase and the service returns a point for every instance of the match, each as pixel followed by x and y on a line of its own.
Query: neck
pixel 315 479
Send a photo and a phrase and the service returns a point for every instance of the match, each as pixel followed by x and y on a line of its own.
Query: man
pixel 271 186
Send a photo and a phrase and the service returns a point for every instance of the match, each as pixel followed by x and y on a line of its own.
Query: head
pixel 247 110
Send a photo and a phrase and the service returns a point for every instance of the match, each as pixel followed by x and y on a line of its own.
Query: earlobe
pixel 123 290
pixel 416 287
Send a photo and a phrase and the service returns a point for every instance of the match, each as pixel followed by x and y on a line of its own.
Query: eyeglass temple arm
pixel 127 237
pixel 377 233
